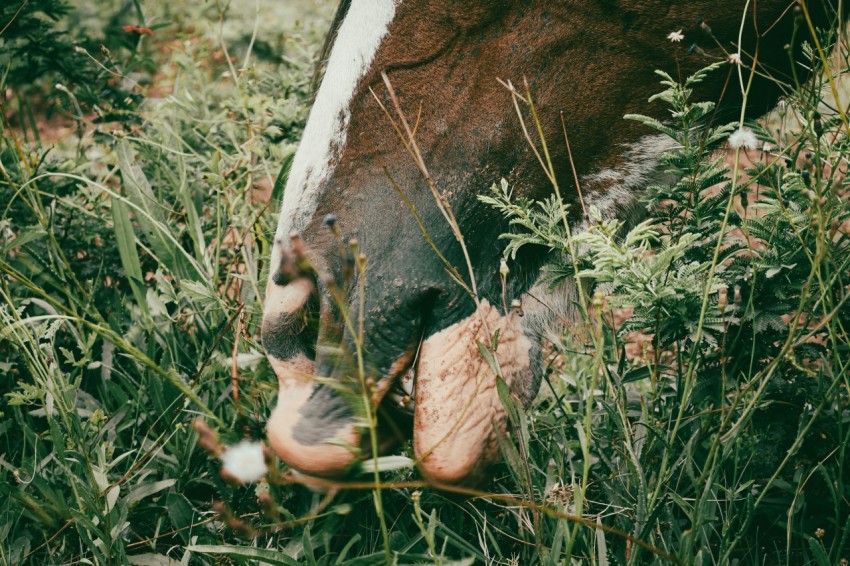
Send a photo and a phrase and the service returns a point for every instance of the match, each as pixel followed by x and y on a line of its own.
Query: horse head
pixel 370 286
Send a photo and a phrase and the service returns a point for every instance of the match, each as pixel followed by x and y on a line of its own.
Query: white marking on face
pixel 289 298
pixel 358 39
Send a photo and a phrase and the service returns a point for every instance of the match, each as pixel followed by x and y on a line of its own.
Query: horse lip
pixel 459 414
pixel 322 456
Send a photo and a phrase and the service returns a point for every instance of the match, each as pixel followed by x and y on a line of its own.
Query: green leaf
pixel 504 392
pixel 282 177
pixel 512 458
pixel 150 559
pixel 22 238
pixel 636 374
pixel 248 554
pixel 347 548
pixel 147 489
pixel 181 513
pixel 307 542
pixel 126 240
pixel 818 551
pixel 198 292
pixel 153 219
pixel 387 464
pixel 651 123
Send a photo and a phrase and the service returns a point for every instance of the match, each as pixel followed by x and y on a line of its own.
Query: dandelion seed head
pixel 245 461
pixel 743 138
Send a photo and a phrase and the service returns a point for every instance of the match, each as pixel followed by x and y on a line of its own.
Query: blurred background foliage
pixel 141 143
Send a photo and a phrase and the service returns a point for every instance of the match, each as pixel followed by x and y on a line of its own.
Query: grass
pixel 133 256
pixel 131 261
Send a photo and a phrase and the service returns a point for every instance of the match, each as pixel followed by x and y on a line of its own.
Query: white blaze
pixel 361 33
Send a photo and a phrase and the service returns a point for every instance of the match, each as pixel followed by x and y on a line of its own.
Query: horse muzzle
pixel 340 375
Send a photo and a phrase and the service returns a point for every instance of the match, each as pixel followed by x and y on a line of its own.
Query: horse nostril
pixel 286 335
pixel 290 317
pixel 304 300
pixel 294 262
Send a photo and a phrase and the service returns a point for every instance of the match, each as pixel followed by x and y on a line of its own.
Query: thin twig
pixel 573 167
pixel 14 17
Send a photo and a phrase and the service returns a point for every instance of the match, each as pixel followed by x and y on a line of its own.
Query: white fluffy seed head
pixel 743 138
pixel 676 36
pixel 245 462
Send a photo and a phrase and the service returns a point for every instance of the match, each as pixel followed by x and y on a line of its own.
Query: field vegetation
pixel 143 151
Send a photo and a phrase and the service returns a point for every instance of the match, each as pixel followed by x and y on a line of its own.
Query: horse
pixel 381 238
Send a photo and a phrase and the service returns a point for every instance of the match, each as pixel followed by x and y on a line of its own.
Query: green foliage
pixel 42 57
pixel 736 413
pixel 30 44
pixel 129 303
